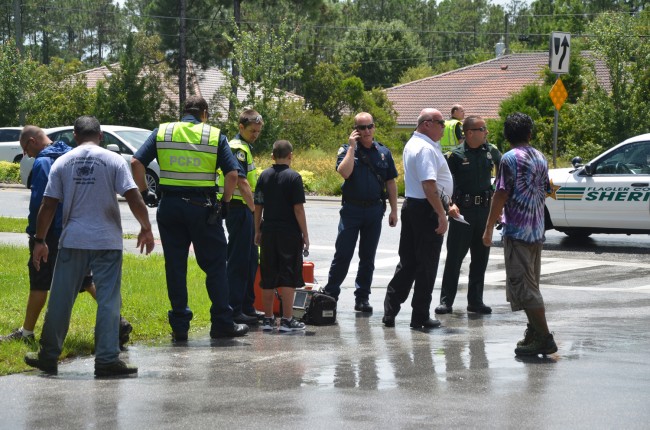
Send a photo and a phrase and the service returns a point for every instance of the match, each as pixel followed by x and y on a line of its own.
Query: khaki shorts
pixel 523 265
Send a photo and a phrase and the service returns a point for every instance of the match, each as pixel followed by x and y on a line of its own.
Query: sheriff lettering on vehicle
pixel 610 194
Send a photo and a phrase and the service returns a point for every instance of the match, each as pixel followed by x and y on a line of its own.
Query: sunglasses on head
pixel 256 119
pixel 364 127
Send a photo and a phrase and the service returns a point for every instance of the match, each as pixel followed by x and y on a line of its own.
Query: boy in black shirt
pixel 281 233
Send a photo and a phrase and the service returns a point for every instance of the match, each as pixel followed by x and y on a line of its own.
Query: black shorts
pixel 41 280
pixel 281 260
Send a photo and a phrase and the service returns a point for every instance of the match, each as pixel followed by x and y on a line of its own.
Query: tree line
pixel 337 55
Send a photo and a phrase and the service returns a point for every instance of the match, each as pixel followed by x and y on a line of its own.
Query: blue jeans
pixel 355 222
pixel 71 267
pixel 242 259
pixel 181 224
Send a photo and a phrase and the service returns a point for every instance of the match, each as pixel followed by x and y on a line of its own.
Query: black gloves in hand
pixel 225 206
pixel 150 199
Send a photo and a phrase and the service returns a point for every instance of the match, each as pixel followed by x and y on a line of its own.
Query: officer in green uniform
pixel 471 164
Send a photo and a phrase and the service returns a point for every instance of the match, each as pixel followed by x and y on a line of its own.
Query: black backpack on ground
pixel 321 310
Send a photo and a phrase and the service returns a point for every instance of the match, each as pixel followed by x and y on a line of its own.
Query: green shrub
pixel 9 172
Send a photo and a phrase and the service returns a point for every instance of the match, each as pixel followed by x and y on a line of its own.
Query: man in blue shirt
pixel 369 172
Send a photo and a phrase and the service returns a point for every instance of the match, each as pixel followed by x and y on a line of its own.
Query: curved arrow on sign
pixel 565 45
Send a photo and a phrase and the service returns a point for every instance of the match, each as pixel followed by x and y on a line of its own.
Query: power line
pixel 336 28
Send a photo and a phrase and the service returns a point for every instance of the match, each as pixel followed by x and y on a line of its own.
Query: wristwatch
pixel 38 240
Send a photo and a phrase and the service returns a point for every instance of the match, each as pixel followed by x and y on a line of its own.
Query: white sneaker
pixel 268 324
pixel 291 325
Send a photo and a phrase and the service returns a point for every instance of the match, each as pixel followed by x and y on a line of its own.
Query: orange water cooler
pixel 307 276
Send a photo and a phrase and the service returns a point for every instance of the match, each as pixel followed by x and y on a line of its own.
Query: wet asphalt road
pixel 359 374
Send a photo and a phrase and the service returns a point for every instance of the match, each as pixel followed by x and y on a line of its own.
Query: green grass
pixel 145 305
pixel 12 225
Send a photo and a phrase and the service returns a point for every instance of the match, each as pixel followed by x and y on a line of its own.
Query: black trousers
pixel 419 253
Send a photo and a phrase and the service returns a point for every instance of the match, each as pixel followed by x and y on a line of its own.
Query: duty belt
pixel 196 198
pixel 472 200
pixel 362 203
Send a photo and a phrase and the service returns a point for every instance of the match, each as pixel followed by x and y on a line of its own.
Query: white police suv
pixel 609 194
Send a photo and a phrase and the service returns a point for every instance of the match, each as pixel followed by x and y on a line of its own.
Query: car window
pixel 66 136
pixel 134 137
pixel 627 160
pixel 9 135
pixel 109 139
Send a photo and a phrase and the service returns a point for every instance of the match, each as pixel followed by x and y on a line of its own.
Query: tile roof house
pixel 204 82
pixel 480 88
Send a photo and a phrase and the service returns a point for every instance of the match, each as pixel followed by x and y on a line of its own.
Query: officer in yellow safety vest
pixel 189 153
pixel 242 251
pixel 453 134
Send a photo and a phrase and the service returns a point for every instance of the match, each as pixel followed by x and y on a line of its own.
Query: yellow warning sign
pixel 558 94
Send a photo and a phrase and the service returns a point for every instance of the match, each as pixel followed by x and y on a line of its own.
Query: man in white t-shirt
pixel 86 181
pixel 428 182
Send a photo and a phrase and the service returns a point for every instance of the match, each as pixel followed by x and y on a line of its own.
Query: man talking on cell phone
pixel 369 172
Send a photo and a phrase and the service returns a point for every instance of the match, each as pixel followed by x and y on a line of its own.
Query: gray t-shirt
pixel 86 181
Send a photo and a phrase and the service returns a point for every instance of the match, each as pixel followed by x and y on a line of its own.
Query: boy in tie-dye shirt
pixel 523 174
pixel 521 189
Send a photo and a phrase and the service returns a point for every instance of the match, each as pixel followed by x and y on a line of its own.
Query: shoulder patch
pixel 241 155
pixel 341 149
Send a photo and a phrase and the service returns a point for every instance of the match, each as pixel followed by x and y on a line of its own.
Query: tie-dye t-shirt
pixel 523 174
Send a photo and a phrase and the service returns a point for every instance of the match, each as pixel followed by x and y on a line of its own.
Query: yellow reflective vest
pixel 449 138
pixel 187 154
pixel 238 147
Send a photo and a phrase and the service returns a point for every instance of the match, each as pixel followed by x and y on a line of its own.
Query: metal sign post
pixel 558 62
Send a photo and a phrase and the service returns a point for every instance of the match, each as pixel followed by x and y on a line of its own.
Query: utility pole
pixel 182 62
pixel 18 25
pixel 19 44
pixel 235 67
pixel 507 35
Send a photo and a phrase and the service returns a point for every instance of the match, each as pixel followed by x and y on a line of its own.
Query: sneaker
pixel 125 330
pixel 117 368
pixel 538 345
pixel 268 324
pixel 34 360
pixel 291 325
pixel 528 336
pixel 18 335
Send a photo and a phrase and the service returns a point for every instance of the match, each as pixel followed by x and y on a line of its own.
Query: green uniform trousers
pixel 460 239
